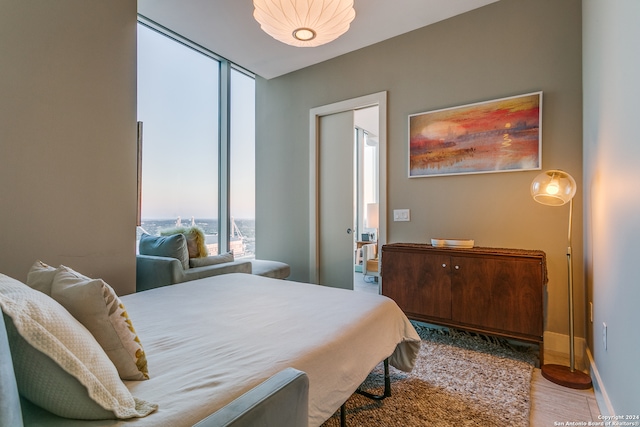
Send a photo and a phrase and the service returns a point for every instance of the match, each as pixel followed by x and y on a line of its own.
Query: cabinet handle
pixel 457 267
pixel 444 265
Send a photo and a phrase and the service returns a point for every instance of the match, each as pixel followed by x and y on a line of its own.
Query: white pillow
pixel 41 276
pixel 59 365
pixel 96 305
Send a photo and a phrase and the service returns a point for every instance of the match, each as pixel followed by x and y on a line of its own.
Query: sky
pixel 178 105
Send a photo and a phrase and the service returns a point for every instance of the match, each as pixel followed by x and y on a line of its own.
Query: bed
pixel 210 340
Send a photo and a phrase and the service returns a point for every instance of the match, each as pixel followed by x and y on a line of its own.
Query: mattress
pixel 208 341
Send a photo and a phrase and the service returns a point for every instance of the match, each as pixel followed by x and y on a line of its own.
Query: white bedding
pixel 208 341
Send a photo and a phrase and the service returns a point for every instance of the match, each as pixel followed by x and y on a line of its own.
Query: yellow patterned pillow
pixel 95 304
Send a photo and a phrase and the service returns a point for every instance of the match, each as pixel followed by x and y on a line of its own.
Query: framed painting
pixel 501 135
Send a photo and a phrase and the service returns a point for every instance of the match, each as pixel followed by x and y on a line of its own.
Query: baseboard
pixel 602 399
pixel 559 343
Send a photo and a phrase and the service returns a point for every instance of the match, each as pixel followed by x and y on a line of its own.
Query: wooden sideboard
pixel 487 290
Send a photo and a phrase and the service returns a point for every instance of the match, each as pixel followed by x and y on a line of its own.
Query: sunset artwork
pixel 495 136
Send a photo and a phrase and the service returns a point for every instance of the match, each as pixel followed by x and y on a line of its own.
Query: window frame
pixel 224 131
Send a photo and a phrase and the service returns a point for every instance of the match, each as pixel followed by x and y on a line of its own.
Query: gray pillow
pixel 211 260
pixel 174 246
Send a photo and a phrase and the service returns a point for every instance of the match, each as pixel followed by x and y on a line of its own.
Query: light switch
pixel 401 215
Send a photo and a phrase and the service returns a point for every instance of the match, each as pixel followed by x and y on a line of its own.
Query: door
pixel 336 228
pixel 316 177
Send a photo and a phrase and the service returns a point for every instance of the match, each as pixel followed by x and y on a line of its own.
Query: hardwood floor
pixel 551 404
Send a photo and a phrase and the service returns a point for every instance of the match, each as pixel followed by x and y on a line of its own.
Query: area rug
pixel 459 379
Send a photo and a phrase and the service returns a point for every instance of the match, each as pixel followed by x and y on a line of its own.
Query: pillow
pixel 59 366
pixel 40 277
pixel 211 260
pixel 174 246
pixel 95 304
pixel 195 239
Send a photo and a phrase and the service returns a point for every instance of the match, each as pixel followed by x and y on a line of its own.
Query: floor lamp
pixel 556 188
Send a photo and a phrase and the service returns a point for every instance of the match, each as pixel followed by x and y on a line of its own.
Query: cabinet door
pixel 502 294
pixel 419 283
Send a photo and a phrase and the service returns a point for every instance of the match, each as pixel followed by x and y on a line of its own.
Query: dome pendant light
pixel 304 23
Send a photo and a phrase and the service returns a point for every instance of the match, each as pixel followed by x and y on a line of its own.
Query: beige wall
pixel 67 137
pixel 507 48
pixel 612 198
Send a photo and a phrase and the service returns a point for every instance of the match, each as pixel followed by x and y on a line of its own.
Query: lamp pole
pixel 570 273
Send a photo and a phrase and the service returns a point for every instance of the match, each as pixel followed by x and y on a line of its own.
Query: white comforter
pixel 208 341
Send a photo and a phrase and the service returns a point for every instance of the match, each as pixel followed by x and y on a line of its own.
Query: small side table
pixel 371 269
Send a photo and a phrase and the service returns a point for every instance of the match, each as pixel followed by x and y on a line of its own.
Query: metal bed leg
pixel 387 385
pixel 386 393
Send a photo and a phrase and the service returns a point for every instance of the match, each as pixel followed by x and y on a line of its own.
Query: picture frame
pixel 500 135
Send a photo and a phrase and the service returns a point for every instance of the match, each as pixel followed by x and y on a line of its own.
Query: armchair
pixel 155 271
pixel 165 260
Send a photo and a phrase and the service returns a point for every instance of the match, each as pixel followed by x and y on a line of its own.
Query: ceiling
pixel 227 28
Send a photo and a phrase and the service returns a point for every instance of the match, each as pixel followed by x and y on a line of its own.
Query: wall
pixel 507 48
pixel 67 137
pixel 611 36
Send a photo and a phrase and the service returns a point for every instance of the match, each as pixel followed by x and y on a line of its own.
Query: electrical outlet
pixel 402 215
pixel 591 311
pixel 604 335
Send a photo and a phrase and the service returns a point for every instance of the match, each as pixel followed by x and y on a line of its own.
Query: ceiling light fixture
pixel 304 23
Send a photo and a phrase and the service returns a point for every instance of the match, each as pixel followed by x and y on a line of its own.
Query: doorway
pixel 333 237
pixel 366 190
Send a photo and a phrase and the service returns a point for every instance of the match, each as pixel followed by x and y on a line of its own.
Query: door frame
pixel 378 99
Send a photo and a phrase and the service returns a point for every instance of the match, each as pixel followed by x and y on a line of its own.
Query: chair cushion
pixel 96 305
pixel 174 246
pixel 211 260
pixel 59 365
pixel 267 268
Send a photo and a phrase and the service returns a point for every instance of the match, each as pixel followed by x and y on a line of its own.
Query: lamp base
pixel 563 376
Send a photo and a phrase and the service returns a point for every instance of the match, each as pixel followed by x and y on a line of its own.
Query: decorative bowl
pixel 452 243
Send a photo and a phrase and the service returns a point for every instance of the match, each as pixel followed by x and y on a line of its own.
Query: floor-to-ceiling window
pixel 198 152
pixel 242 162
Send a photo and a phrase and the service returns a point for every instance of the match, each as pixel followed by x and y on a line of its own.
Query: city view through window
pixel 179 105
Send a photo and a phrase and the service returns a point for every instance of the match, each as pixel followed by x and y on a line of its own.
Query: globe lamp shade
pixel 304 23
pixel 553 188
